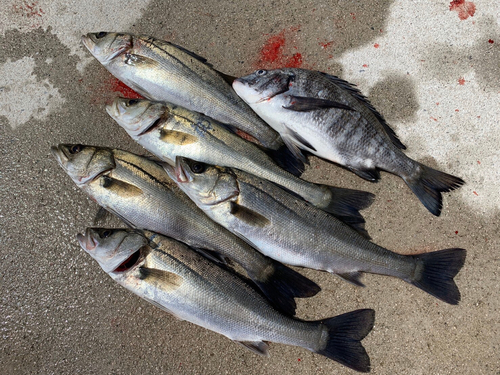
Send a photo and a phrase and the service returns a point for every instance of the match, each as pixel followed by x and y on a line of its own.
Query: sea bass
pixel 168 274
pixel 139 191
pixel 168 131
pixel 162 71
pixel 330 118
pixel 296 233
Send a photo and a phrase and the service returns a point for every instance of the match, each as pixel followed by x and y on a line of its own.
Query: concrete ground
pixel 430 67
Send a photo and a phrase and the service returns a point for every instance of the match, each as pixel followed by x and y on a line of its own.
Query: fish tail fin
pixel 435 272
pixel 429 184
pixel 285 284
pixel 345 205
pixel 287 160
pixel 345 333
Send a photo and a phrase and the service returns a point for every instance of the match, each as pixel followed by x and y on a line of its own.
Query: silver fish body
pixel 330 118
pixel 296 233
pixel 168 274
pixel 162 71
pixel 169 131
pixel 139 191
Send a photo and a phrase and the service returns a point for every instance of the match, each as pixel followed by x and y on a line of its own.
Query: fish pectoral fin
pixel 177 138
pixel 167 281
pixel 258 347
pixel 372 175
pixel 214 256
pixel 121 188
pixel 248 216
pixel 163 308
pixel 305 104
pixel 352 277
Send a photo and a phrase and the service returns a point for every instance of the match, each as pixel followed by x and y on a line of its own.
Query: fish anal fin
pixel 213 256
pixel 167 281
pixel 177 138
pixel 352 277
pixel 248 216
pixel 305 104
pixel 372 175
pixel 258 347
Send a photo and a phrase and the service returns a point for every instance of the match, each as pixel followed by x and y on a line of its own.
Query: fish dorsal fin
pixel 351 88
pixel 305 104
pixel 167 281
pixel 248 216
pixel 213 256
pixel 185 50
pixel 352 277
pixel 229 79
pixel 177 138
pixel 119 187
pixel 258 347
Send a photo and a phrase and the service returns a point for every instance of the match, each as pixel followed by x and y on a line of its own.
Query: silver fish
pixel 139 191
pixel 285 228
pixel 162 71
pixel 330 118
pixel 168 274
pixel 168 131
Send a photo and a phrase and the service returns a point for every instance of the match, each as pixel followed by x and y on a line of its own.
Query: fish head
pixel 83 163
pixel 263 85
pixel 106 46
pixel 206 185
pixel 137 116
pixel 116 250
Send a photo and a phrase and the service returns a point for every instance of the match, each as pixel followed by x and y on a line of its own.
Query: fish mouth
pixel 181 172
pixel 59 155
pixel 156 124
pixel 87 241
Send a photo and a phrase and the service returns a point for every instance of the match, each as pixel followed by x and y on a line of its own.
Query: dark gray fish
pixel 139 191
pixel 168 274
pixel 330 118
pixel 286 228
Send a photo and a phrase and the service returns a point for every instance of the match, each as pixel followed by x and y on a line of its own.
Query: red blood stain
pixel 353 15
pixel 456 232
pixel 276 51
pixel 437 103
pixel 365 65
pixel 457 110
pixel 28 9
pixel 433 118
pixel 299 359
pixel 491 41
pixel 326 45
pixel 116 85
pixel 465 9
pixel 461 81
pixel 475 193
pixel 478 162
pixel 376 45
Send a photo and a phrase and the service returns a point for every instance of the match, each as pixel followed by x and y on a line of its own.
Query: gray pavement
pixel 432 71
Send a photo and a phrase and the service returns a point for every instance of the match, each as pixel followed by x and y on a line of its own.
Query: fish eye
pixel 261 72
pixel 75 149
pixel 101 34
pixel 105 233
pixel 198 167
pixel 132 102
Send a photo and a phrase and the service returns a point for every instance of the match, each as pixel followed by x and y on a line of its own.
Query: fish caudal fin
pixel 345 205
pixel 344 342
pixel 429 185
pixel 435 272
pixel 285 284
pixel 287 160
